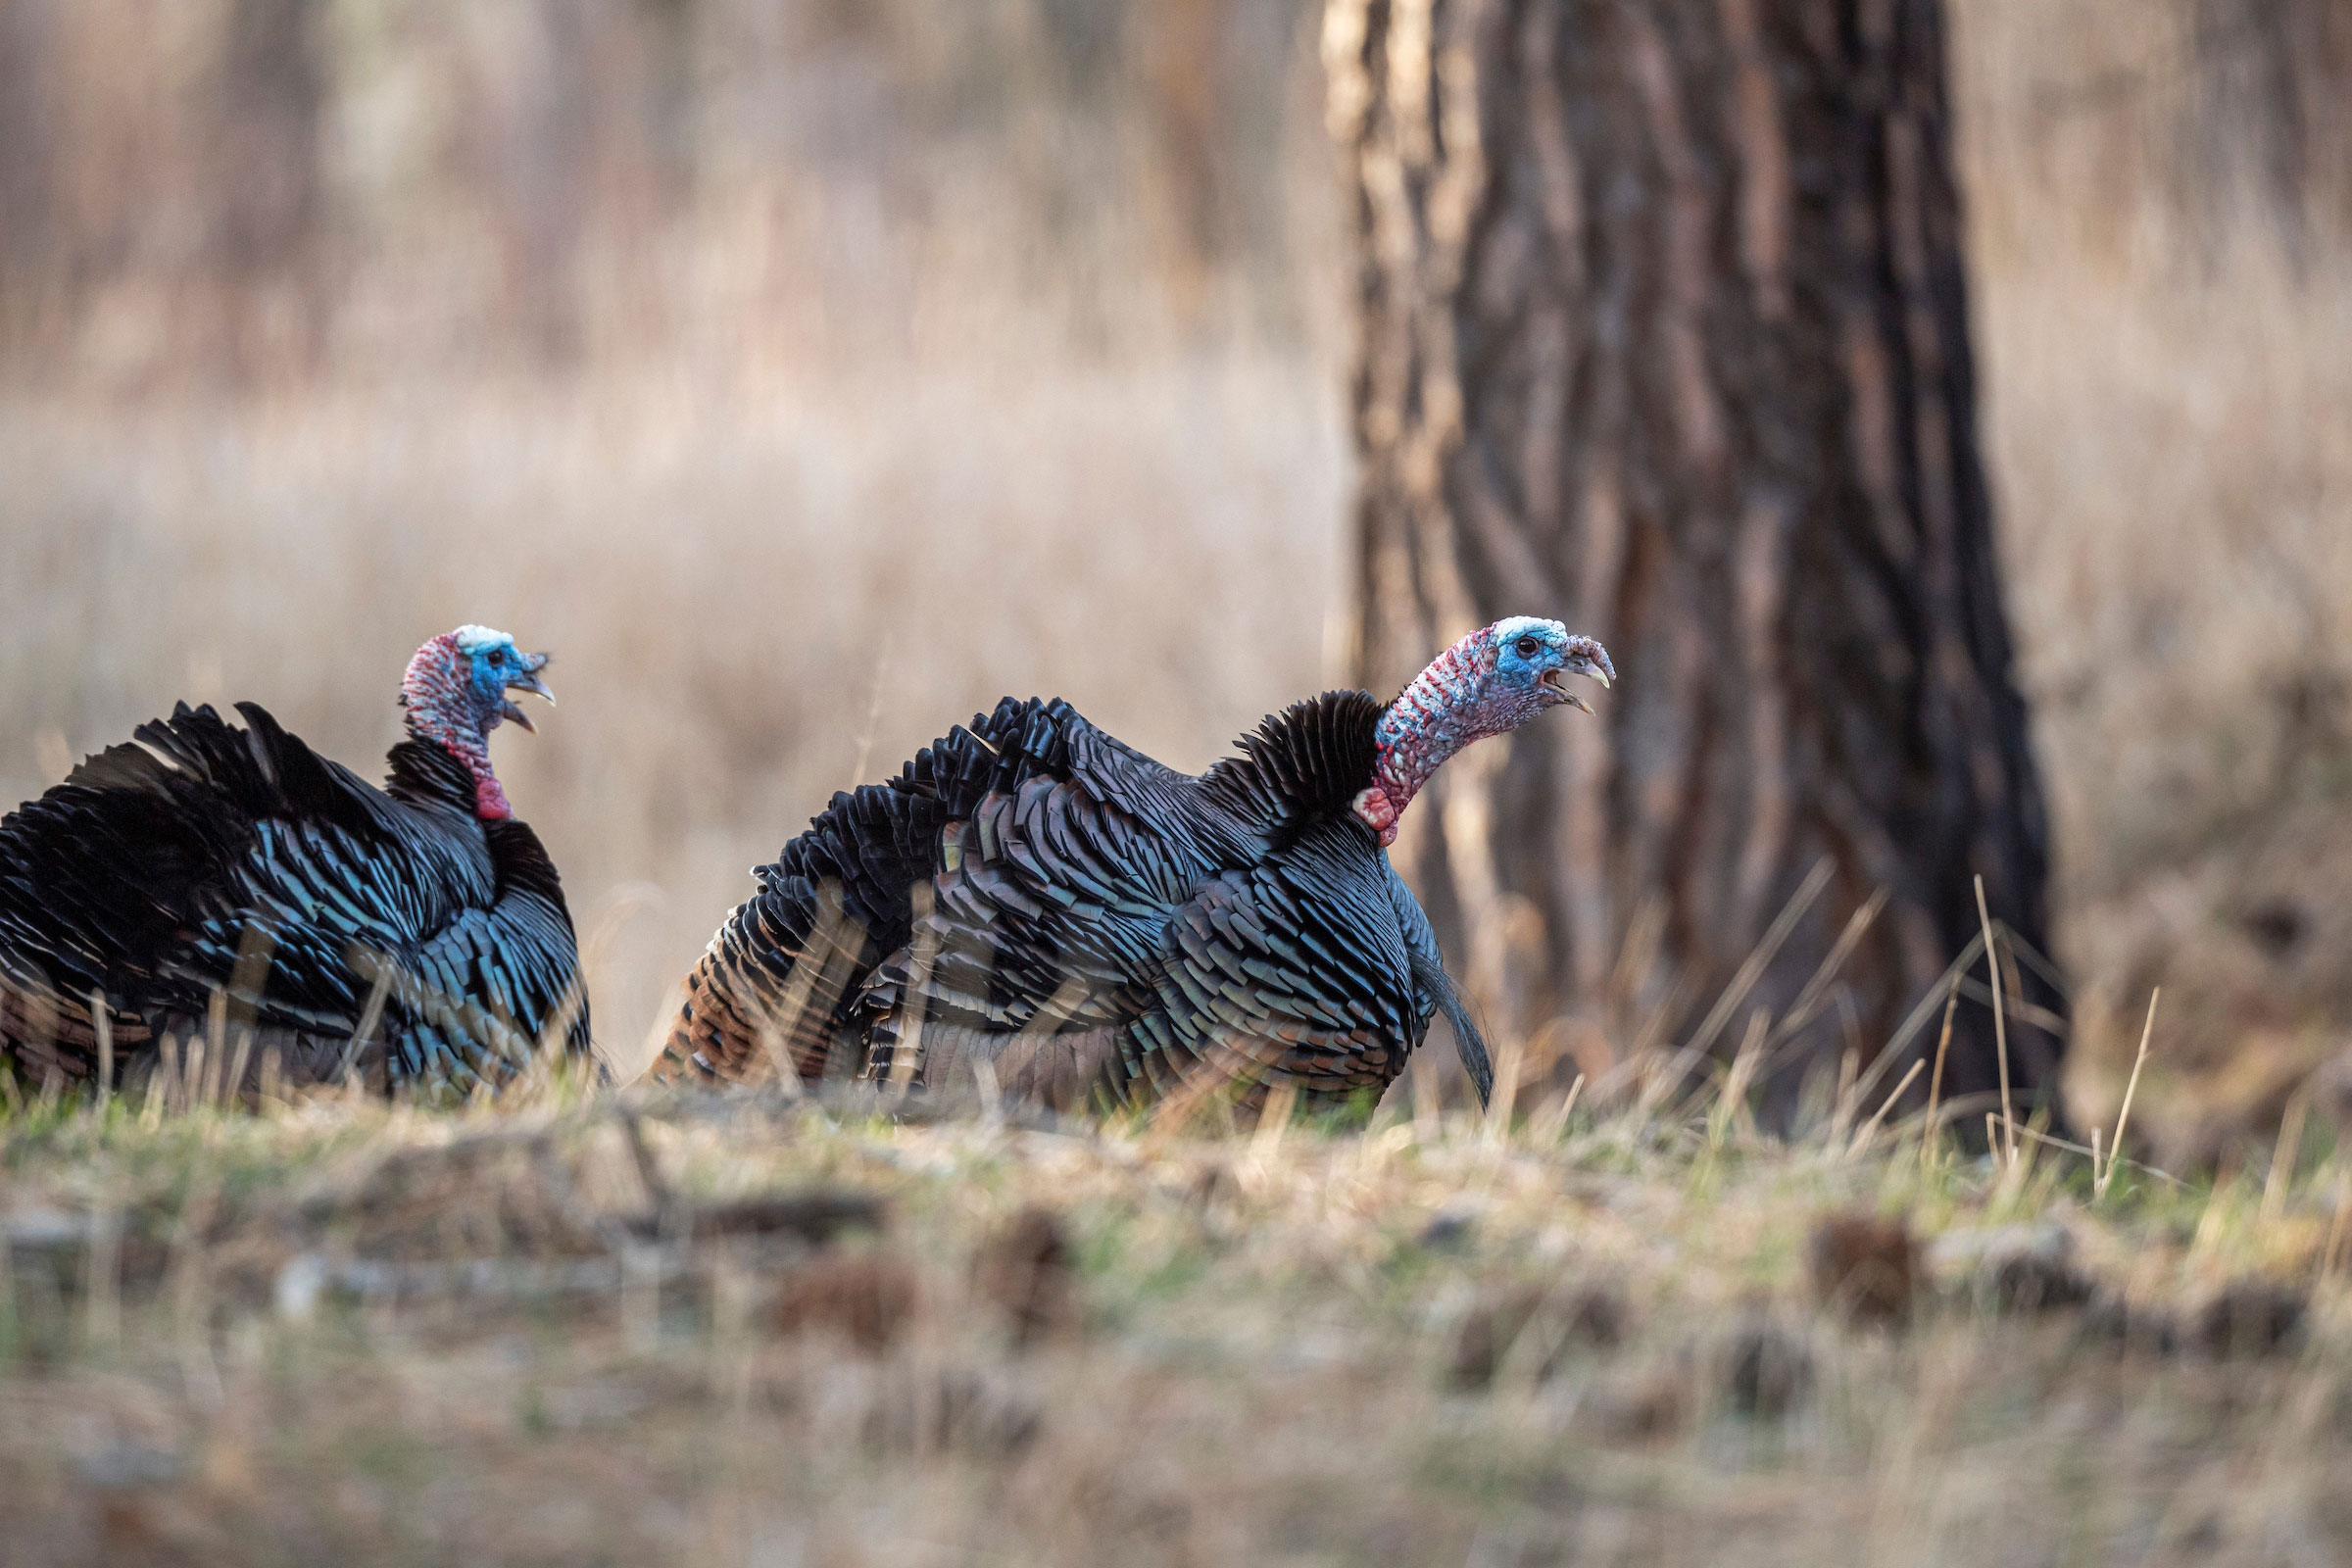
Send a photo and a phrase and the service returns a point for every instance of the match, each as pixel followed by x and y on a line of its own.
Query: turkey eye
pixel 1528 646
pixel 498 656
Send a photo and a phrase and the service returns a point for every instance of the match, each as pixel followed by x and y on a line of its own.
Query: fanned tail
pixel 764 999
pixel 774 990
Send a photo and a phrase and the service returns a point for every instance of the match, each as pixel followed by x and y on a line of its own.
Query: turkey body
pixel 391 932
pixel 1099 928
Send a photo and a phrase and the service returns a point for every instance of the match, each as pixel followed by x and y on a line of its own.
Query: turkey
pixel 415 934
pixel 1098 930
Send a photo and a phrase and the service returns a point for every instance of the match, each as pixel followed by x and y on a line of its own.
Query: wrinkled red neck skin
pixel 1441 710
pixel 441 708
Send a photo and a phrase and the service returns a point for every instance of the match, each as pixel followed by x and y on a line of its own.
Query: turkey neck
pixel 1443 709
pixel 442 711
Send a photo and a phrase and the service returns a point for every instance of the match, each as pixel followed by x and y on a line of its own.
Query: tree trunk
pixel 1664 333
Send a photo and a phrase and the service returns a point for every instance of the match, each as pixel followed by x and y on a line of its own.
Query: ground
pixel 722 1330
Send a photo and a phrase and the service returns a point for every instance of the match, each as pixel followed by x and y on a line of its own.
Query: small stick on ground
pixel 2001 1021
pixel 1841 1112
pixel 2035 1135
pixel 1548 1128
pixel 1869 1128
pixel 2283 1157
pixel 1927 1139
pixel 1730 1108
pixel 2115 1144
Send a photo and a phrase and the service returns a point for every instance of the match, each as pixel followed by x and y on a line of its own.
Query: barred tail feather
pixel 768 993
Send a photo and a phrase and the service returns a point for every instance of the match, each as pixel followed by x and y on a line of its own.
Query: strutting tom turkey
pixel 415 934
pixel 1100 929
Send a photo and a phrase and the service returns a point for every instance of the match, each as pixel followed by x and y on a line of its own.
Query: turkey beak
pixel 528 681
pixel 1551 678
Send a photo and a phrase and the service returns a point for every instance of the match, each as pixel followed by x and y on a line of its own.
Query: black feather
pixel 1310 760
pixel 146 875
pixel 1468 1043
pixel 1030 888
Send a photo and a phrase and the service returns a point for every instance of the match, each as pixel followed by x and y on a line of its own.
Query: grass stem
pixel 1943 1043
pixel 1869 1128
pixel 2000 1021
pixel 2115 1144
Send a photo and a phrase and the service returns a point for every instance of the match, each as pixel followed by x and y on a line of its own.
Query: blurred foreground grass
pixel 750 1330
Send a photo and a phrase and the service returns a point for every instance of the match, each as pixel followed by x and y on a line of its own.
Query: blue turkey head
pixel 495 666
pixel 1533 658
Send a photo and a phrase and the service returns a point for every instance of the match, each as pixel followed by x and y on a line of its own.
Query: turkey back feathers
pixel 1099 928
pixel 159 864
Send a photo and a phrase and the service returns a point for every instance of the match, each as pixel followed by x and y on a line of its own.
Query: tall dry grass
pixel 808 374
pixel 819 375
pixel 2167 351
pixel 751 607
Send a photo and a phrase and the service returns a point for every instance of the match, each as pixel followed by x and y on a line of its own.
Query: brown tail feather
pixel 743 1016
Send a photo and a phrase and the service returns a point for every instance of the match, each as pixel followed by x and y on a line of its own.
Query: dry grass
pixel 1008 362
pixel 2165 374
pixel 753 601
pixel 393 1337
pixel 914 356
pixel 887 425
pixel 986 369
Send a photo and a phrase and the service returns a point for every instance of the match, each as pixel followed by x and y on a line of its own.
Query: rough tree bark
pixel 1664 332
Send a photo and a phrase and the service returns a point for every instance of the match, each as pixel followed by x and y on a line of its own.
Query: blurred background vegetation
pixel 808 373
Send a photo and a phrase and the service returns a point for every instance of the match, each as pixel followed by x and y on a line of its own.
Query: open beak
pixel 1553 679
pixel 528 681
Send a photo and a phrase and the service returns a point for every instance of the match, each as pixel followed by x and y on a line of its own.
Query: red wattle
pixel 490 801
